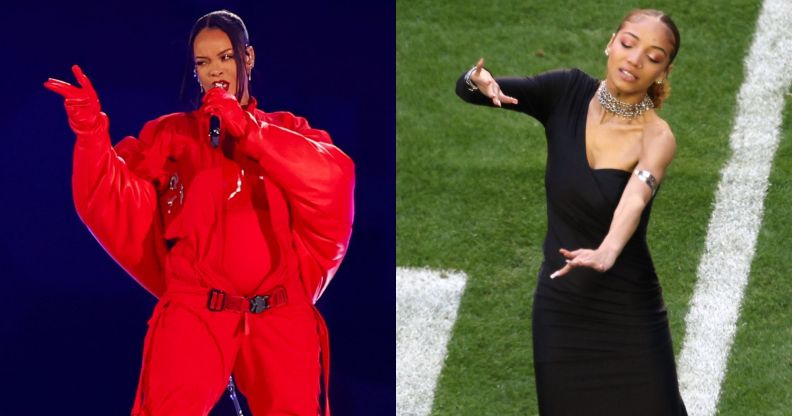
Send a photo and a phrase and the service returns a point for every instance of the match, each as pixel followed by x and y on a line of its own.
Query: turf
pixel 470 193
pixel 760 364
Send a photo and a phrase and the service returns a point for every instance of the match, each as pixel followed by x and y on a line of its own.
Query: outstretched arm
pixel 656 155
pixel 117 206
pixel 536 95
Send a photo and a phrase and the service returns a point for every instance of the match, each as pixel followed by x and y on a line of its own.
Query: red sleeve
pixel 116 199
pixel 318 180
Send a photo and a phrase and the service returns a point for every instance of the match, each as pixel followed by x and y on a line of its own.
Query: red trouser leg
pixel 186 365
pixel 278 368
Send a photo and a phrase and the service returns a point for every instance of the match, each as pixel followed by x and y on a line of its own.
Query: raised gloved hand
pixel 233 119
pixel 82 104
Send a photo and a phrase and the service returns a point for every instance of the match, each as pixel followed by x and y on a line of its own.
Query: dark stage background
pixel 72 322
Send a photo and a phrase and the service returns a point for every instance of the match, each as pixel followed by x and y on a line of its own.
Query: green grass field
pixel 470 192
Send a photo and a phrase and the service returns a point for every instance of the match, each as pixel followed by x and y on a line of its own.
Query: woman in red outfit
pixel 237 235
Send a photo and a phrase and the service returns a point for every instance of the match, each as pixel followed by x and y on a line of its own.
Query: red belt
pixel 221 301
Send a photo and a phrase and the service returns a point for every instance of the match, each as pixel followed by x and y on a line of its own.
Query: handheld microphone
pixel 214 124
pixel 214 131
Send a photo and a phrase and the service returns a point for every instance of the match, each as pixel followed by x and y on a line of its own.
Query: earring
pixel 606 52
pixel 659 82
pixel 195 75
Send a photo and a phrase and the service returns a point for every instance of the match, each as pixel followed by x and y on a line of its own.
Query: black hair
pixel 234 27
pixel 676 39
pixel 658 92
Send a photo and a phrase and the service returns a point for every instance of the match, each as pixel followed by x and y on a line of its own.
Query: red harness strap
pixel 324 343
pixel 152 323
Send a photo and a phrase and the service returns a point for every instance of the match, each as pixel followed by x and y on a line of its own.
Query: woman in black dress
pixel 602 344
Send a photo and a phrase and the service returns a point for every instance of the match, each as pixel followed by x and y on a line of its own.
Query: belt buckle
pixel 259 303
pixel 216 301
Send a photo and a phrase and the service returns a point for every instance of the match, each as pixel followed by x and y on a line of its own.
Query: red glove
pixel 219 102
pixel 82 104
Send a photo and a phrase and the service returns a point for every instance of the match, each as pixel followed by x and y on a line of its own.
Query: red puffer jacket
pixel 242 217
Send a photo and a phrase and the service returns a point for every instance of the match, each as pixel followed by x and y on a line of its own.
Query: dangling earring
pixel 195 75
pixel 606 52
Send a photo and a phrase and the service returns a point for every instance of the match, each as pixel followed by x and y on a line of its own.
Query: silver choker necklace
pixel 610 103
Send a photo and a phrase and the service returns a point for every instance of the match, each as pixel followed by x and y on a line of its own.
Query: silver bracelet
pixel 646 177
pixel 470 85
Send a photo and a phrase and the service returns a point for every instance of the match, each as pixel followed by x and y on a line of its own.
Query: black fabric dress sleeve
pixel 537 95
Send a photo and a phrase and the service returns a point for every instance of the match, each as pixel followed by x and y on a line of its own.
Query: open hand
pixel 487 85
pixel 598 260
pixel 82 104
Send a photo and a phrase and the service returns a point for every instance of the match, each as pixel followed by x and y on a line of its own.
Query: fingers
pixel 584 258
pixel 211 110
pixel 60 87
pixel 215 108
pixel 70 91
pixel 569 254
pixel 213 105
pixel 221 103
pixel 564 270
pixel 479 65
pixel 506 99
pixel 571 264
pixel 494 93
pixel 580 258
pixel 210 107
pixel 491 89
pixel 214 95
pixel 81 78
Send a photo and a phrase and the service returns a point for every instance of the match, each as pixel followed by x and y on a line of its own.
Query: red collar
pixel 251 106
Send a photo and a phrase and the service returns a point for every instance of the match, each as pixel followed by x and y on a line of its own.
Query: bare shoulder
pixel 657 133
pixel 659 139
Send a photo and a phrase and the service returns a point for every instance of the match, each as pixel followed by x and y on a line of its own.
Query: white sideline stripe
pixel 739 202
pixel 426 308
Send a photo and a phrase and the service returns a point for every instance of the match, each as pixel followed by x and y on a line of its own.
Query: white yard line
pixel 426 308
pixel 737 217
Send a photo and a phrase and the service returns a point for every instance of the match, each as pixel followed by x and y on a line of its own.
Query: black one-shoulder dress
pixel 602 344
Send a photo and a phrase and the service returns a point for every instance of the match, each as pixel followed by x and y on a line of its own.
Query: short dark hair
pixel 233 26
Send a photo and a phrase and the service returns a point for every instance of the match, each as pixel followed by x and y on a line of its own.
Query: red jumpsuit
pixel 257 215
